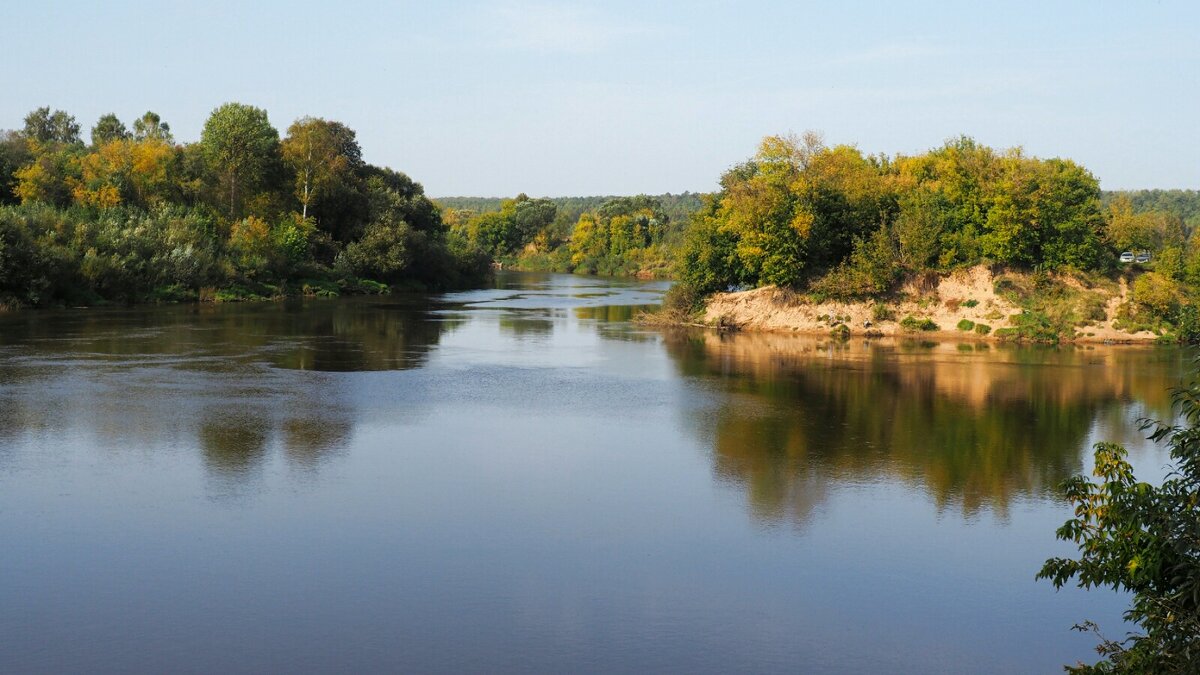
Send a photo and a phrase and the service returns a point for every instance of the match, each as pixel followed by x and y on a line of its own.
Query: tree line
pixel 834 222
pixel 613 236
pixel 130 214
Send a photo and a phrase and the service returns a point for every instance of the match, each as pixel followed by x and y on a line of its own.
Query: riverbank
pixel 978 303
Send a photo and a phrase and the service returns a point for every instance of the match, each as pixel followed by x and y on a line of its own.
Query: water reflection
pixel 613 322
pixel 227 380
pixel 527 324
pixel 974 428
pixel 525 451
pixel 233 445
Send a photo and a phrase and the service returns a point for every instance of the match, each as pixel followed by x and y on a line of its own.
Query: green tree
pixel 322 154
pixel 44 126
pixel 708 260
pixel 48 177
pixel 516 224
pixel 923 218
pixel 1144 539
pixel 108 128
pixel 14 153
pixel 240 145
pixel 151 127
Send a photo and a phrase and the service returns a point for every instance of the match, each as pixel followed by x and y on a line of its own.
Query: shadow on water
pixel 788 417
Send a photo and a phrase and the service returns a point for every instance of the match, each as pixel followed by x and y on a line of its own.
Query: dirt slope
pixel 943 300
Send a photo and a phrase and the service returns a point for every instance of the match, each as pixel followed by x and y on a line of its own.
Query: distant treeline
pixel 677 207
pixel 1183 204
pixel 591 235
pixel 130 214
pixel 575 234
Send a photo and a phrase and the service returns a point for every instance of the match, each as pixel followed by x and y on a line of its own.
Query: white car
pixel 1127 257
pixel 1143 257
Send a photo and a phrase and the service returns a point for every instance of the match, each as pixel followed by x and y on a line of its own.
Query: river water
pixel 521 479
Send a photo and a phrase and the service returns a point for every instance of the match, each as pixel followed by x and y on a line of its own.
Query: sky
pixel 496 97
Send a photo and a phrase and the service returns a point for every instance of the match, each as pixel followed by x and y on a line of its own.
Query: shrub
pixel 682 300
pixel 1142 539
pixel 970 303
pixel 840 332
pixel 982 328
pixel 385 252
pixel 1187 325
pixel 881 312
pixel 1030 326
pixel 1156 293
pixel 870 270
pixel 915 325
pixel 966 325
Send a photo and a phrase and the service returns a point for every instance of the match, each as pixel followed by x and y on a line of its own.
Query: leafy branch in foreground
pixel 1143 539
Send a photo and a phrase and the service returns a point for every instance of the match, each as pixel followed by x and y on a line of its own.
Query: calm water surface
pixel 519 479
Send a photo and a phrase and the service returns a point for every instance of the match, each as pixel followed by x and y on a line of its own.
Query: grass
pixel 1052 307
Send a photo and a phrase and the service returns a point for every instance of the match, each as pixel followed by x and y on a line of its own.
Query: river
pixel 521 479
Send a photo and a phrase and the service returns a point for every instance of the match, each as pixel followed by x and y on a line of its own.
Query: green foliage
pixel 682 299
pixel 136 218
pixel 708 258
pixel 881 312
pixel 1052 305
pixel 1145 540
pixel 982 328
pixel 870 271
pixel 912 324
pixel 966 325
pixel 840 332
pixel 676 208
pixel 109 128
pixel 1132 230
pixel 1031 326
pixel 970 303
pixel 518 222
pixel 1170 263
pixel 624 236
pixel 385 252
pixel 241 146
pixel 243 293
pixel 1157 294
pixel 43 126
pixel 1182 204
pixel 324 156
pixel 1187 325
pixel 150 127
pixel 802 214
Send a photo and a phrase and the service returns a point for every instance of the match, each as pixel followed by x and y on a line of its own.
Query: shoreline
pixel 961 306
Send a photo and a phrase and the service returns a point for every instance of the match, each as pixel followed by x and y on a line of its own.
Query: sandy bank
pixel 946 301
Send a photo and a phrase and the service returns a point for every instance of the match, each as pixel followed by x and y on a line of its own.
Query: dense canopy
pixel 135 216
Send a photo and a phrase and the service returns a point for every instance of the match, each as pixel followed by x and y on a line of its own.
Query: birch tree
pixel 322 154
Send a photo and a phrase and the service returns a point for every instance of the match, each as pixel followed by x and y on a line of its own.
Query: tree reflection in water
pixel 226 379
pixel 975 428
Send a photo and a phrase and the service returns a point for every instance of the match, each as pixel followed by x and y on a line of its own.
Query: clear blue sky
pixel 561 98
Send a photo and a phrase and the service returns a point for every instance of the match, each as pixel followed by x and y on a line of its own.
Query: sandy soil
pixel 942 301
